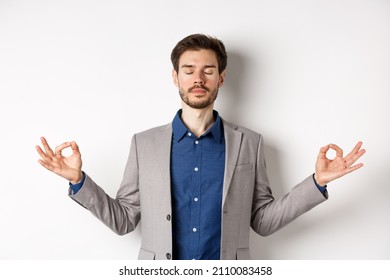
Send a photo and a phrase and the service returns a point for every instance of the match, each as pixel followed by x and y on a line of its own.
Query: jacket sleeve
pixel 270 214
pixel 121 214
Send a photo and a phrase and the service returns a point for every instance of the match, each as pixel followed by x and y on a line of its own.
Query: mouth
pixel 198 90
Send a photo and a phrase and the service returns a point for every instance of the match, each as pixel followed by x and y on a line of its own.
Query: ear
pixel 175 78
pixel 221 78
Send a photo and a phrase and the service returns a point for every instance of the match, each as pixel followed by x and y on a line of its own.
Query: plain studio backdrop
pixel 302 73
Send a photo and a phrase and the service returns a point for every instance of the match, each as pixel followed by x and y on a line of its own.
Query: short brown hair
pixel 199 42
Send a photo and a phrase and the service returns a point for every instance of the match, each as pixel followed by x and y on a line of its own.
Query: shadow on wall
pixel 234 93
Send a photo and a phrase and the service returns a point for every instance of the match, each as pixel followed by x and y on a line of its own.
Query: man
pixel 200 182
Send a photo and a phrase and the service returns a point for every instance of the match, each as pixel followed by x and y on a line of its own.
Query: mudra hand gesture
pixel 66 167
pixel 328 170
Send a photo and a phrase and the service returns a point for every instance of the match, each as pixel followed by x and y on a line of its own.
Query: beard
pixel 198 103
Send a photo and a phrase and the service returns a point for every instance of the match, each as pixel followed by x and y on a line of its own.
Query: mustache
pixel 199 86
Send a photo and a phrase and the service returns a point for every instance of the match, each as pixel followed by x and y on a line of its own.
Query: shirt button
pixel 196 199
pixel 168 255
pixel 194 229
pixel 189 133
pixel 196 168
pixel 168 217
pixel 196 142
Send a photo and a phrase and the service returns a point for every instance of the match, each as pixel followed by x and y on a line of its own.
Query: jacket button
pixel 168 256
pixel 168 217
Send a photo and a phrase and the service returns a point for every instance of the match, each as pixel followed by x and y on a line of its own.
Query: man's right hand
pixel 66 167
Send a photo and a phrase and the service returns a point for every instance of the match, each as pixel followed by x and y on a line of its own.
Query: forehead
pixel 198 58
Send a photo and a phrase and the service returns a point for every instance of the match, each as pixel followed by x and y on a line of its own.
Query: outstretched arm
pixel 66 167
pixel 121 214
pixel 328 170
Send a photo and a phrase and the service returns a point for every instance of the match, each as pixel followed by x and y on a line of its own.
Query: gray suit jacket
pixel 247 198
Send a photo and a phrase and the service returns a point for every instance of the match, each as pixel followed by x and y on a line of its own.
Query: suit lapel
pixel 233 144
pixel 163 148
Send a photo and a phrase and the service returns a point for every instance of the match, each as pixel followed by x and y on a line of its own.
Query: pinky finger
pixel 353 168
pixel 44 164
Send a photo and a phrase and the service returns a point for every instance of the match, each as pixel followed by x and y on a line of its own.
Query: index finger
pixel 59 148
pixel 337 149
pixel 323 151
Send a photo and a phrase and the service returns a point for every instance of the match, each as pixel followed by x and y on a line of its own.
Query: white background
pixel 302 73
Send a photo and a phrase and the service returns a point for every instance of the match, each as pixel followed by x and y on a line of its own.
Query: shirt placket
pixel 195 197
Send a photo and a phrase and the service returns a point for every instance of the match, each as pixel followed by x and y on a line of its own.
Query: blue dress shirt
pixel 197 171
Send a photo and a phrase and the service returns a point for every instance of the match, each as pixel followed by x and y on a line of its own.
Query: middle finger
pixel 47 148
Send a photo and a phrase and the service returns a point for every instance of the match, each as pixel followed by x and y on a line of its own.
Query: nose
pixel 199 79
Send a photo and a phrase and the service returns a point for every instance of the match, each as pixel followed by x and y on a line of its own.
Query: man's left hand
pixel 328 170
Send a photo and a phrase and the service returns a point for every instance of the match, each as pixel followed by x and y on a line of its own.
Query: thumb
pixel 75 147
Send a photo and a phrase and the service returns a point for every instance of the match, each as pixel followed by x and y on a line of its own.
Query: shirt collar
pixel 179 128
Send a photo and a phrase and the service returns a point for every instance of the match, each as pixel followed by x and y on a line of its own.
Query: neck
pixel 197 120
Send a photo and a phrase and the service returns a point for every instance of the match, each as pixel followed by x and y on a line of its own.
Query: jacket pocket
pixel 243 254
pixel 244 167
pixel 146 255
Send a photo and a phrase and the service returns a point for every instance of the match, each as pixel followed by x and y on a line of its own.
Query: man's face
pixel 198 78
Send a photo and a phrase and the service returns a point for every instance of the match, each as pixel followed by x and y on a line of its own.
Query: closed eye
pixel 209 69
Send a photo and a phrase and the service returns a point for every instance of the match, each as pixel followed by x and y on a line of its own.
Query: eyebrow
pixel 193 66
